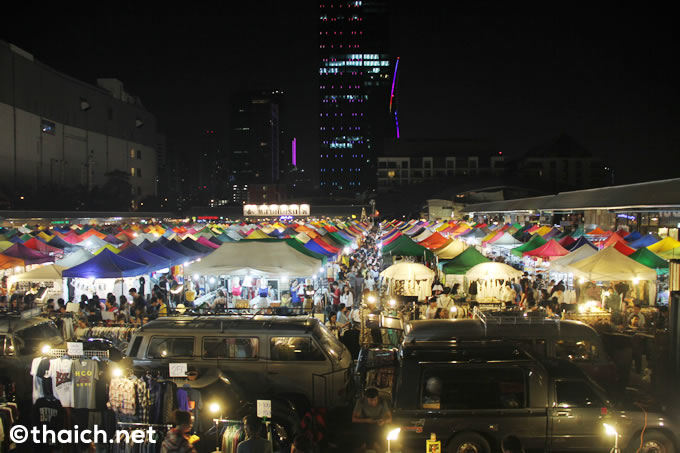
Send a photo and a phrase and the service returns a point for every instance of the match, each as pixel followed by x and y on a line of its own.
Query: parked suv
pixel 472 394
pixel 549 338
pixel 21 337
pixel 270 357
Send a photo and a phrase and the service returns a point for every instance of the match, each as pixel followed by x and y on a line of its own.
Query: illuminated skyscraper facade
pixel 355 77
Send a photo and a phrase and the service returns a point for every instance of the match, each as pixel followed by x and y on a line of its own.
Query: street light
pixel 392 435
pixel 611 431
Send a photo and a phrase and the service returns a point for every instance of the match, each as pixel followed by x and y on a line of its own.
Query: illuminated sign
pixel 252 210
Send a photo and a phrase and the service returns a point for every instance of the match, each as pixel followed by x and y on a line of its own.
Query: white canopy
pixel 74 259
pixel 270 259
pixel 506 240
pixel 408 271
pixel 609 264
pixel 93 243
pixel 450 250
pixel 42 273
pixel 417 279
pixel 424 235
pixel 493 270
pixel 561 264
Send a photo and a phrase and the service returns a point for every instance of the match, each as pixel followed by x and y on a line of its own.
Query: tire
pixel 653 442
pixel 468 442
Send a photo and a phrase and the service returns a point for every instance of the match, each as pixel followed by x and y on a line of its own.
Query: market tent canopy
pixel 504 239
pixel 106 265
pixel 43 273
pixel 272 259
pixel 28 256
pixel 670 254
pixel 649 259
pixel 664 245
pixel 644 241
pixel 580 243
pixel 139 255
pixel 450 250
pixel 493 270
pixel 408 271
pixel 634 236
pixel 623 248
pixel 464 262
pixel 73 259
pixel 433 241
pixel 548 250
pixel 404 246
pixel 560 264
pixel 8 262
pixel 535 242
pixel 608 265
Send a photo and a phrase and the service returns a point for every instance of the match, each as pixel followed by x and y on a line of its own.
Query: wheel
pixel 653 442
pixel 469 443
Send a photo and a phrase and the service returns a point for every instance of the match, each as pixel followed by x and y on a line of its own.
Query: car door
pixel 577 417
pixel 297 365
pixel 239 357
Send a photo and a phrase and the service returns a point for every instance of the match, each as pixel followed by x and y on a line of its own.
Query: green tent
pixel 649 259
pixel 535 242
pixel 300 247
pixel 404 246
pixel 577 233
pixel 339 239
pixel 464 262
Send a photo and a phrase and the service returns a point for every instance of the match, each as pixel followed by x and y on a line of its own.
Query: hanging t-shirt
pixel 61 371
pixel 49 412
pixel 37 380
pixel 43 373
pixel 85 373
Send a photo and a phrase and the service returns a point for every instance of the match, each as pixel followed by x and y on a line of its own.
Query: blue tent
pixel 161 250
pixel 138 254
pixel 644 241
pixel 187 252
pixel 106 265
pixel 632 237
pixel 580 243
pixel 144 244
pixel 196 247
pixel 316 248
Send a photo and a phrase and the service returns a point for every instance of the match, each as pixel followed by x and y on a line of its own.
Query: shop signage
pixel 74 349
pixel 265 210
pixel 264 408
pixel 178 369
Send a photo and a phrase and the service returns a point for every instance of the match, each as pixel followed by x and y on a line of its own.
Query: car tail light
pixel 603 411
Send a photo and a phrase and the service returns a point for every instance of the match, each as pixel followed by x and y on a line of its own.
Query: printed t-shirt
pixel 85 373
pixel 61 371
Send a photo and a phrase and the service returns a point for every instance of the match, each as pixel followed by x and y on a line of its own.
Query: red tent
pixel 597 232
pixel 613 239
pixel 551 249
pixel 434 241
pixel 567 241
pixel 623 248
pixel 623 233
pixel 71 237
pixel 37 244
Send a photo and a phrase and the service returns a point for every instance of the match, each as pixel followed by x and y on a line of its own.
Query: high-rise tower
pixel 355 76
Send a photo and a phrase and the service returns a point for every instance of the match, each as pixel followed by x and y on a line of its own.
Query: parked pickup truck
pixel 472 394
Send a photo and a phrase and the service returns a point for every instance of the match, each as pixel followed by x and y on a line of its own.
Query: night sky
pixel 611 82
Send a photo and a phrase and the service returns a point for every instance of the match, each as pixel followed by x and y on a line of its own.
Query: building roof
pixel 647 195
pixel 437 147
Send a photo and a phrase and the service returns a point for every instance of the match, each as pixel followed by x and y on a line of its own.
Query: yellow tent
pixel 107 247
pixel 543 230
pixel 257 234
pixel 670 254
pixel 45 237
pixel 450 250
pixel 664 245
pixel 4 245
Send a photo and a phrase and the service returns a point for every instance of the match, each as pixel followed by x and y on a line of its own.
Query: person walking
pixel 254 442
pixel 177 439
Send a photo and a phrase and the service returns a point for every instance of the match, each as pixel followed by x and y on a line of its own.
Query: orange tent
pixel 8 262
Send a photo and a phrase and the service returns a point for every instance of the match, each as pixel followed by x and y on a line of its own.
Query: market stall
pixel 408 279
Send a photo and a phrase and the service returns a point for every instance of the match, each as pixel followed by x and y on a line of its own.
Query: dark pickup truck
pixel 473 394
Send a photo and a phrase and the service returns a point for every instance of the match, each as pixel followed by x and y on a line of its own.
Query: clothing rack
pixel 227 420
pixel 142 424
pixel 56 353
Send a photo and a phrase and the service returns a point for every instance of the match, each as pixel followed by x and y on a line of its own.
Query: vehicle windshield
pixel 328 341
pixel 31 338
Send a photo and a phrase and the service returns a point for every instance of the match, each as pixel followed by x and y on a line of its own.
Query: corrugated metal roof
pixel 653 195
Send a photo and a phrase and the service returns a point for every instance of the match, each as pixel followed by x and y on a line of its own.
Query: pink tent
pixel 551 249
